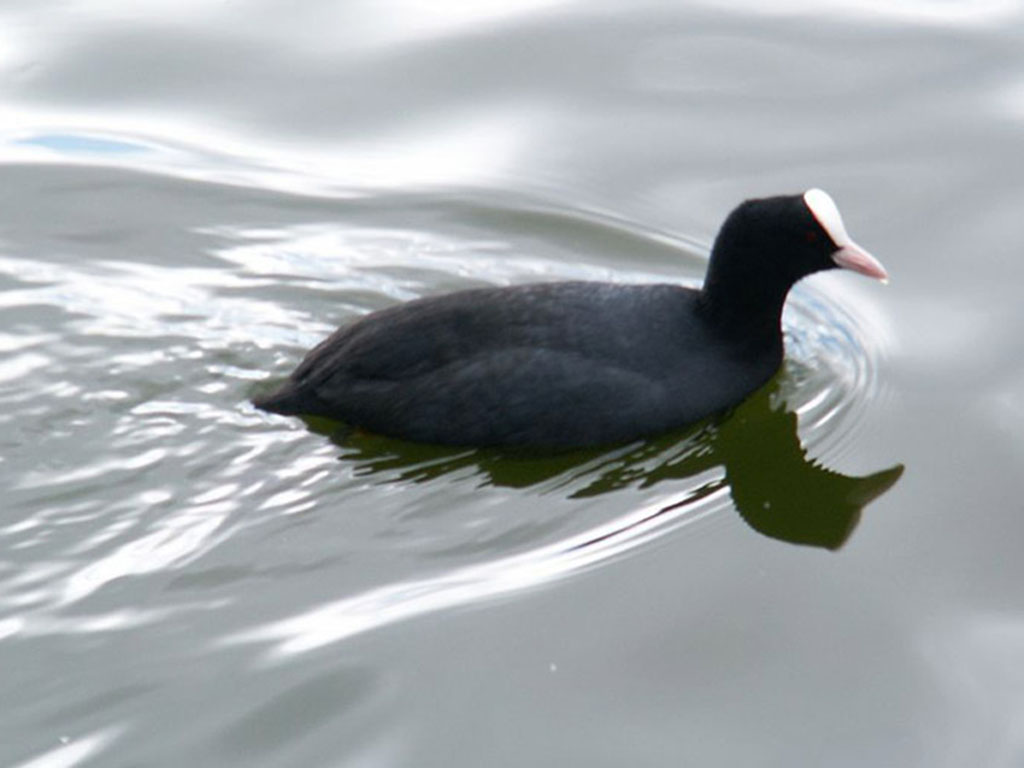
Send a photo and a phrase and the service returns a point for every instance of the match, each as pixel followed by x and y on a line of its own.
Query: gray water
pixel 193 194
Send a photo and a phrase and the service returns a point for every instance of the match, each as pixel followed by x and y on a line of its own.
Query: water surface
pixel 193 196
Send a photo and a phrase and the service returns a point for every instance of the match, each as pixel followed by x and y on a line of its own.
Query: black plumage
pixel 575 363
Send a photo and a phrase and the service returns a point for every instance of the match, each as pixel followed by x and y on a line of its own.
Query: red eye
pixel 811 236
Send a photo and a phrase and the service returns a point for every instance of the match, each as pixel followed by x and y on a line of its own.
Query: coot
pixel 574 364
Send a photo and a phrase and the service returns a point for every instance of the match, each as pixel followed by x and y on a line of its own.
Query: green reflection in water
pixel 775 488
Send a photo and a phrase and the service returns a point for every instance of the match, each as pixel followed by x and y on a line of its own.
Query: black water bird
pixel 574 364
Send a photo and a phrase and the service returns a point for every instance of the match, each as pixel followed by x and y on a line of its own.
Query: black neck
pixel 743 305
pixel 742 296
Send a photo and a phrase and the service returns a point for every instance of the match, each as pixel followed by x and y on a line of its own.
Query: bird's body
pixel 553 364
pixel 563 364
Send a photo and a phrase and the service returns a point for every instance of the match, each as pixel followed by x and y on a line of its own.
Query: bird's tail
pixel 286 400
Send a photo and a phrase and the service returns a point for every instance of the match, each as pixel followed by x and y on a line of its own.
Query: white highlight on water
pixel 390 603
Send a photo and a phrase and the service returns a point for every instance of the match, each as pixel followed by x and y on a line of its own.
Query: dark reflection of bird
pixel 579 364
pixel 781 493
pixel 775 488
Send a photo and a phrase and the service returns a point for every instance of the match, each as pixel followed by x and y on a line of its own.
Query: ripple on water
pixel 166 489
pixel 829 378
pixel 827 390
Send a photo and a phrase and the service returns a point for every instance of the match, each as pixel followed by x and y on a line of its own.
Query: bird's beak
pixel 852 256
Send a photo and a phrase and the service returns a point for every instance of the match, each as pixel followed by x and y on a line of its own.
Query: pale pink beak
pixel 852 256
pixel 849 255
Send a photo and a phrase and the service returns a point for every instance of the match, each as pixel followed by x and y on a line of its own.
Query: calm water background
pixel 193 193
